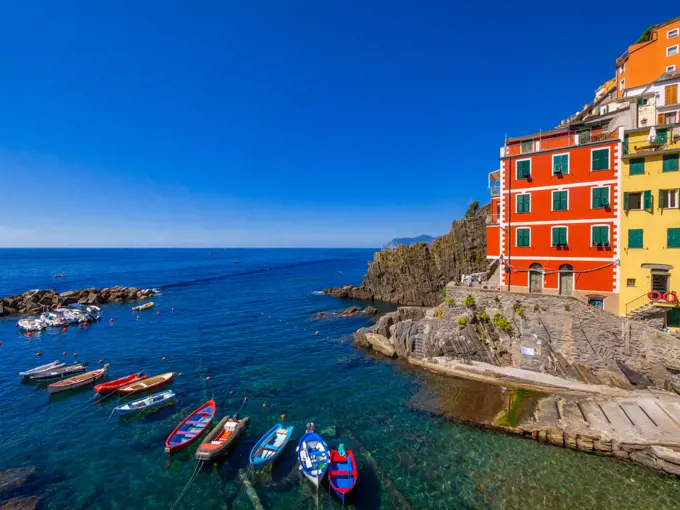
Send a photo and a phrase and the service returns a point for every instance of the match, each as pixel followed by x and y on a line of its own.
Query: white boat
pixel 151 402
pixel 53 319
pixel 78 381
pixel 42 368
pixel 31 324
pixel 91 312
pixel 70 316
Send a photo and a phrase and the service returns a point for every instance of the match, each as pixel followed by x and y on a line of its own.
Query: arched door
pixel 566 280
pixel 535 278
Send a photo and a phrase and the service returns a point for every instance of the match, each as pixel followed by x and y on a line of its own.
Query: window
pixel 673 238
pixel 523 237
pixel 632 201
pixel 670 163
pixel 635 237
pixel 527 146
pixel 523 203
pixel 524 169
pixel 560 164
pixel 630 282
pixel 600 198
pixel 584 136
pixel 600 235
pixel 672 33
pixel 669 118
pixel 668 199
pixel 559 236
pixel 600 159
pixel 672 50
pixel 670 69
pixel 671 95
pixel 560 200
pixel 637 166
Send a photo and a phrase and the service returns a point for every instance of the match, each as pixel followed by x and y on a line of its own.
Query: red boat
pixel 111 386
pixel 342 472
pixel 191 428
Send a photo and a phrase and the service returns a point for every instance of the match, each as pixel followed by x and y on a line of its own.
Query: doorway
pixel 566 284
pixel 535 278
pixel 660 282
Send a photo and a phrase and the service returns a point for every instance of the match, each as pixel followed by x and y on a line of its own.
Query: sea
pixel 244 327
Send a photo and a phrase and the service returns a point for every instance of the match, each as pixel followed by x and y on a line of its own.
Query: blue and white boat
pixel 270 446
pixel 313 456
pixel 151 402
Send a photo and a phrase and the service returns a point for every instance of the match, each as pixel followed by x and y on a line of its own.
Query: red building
pixel 555 204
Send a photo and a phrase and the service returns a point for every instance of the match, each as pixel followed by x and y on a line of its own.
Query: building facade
pixel 555 203
pixel 644 62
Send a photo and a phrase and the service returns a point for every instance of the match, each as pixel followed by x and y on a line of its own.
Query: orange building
pixel 645 61
pixel 555 203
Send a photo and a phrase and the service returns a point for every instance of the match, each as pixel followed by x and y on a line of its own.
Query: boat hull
pixel 59 374
pixel 112 386
pixel 78 382
pixel 149 384
pixel 191 428
pixel 149 403
pixel 42 368
pixel 208 451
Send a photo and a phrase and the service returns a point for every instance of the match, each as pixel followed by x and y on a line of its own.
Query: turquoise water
pixel 249 328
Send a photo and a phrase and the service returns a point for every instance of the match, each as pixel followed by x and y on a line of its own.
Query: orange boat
pixel 111 386
pixel 146 385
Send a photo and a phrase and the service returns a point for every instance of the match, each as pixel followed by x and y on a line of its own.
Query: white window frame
pixel 642 200
pixel 675 190
pixel 528 193
pixel 552 199
pixel 551 234
pixel 609 196
pixel 672 33
pixel 517 236
pixel 568 162
pixel 517 168
pixel 609 158
pixel 674 47
pixel 609 233
pixel 670 69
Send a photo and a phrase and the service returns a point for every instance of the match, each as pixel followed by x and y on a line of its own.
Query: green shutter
pixel 600 198
pixel 626 201
pixel 673 238
pixel 523 237
pixel 625 144
pixel 647 200
pixel 600 235
pixel 560 201
pixel 523 203
pixel 559 236
pixel 670 163
pixel 662 199
pixel 637 166
pixel 596 235
pixel 661 137
pixel 561 164
pixel 600 159
pixel 673 318
pixel 635 238
pixel 523 169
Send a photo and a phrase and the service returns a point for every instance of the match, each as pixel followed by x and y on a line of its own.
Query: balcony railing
pixel 661 142
pixel 492 219
pixel 567 139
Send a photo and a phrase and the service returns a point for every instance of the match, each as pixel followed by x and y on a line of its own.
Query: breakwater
pixel 38 301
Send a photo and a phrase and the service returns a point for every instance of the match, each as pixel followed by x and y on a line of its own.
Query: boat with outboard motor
pixel 59 373
pixel 42 368
pixel 31 324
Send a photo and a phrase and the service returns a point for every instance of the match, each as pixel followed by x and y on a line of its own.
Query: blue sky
pixel 274 123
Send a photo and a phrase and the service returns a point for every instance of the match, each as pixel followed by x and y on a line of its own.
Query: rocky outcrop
pixel 415 275
pixel 38 301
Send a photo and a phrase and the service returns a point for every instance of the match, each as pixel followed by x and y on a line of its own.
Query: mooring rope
pixel 246 475
pixel 199 464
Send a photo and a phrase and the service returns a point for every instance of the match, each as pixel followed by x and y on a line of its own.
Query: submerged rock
pixel 29 503
pixel 14 477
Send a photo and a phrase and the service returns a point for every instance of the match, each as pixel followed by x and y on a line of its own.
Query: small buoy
pixel 283 416
pixel 231 393
pixel 164 358
pixel 138 317
pixel 111 319
pixel 246 398
pixel 75 354
pixel 179 374
pixel 264 404
pixel 64 353
pixel 64 330
pixel 158 313
pixel 316 333
pixel 38 353
pixel 173 309
pixel 29 334
pixel 84 323
pixel 207 378
pixel 0 344
pixel 101 361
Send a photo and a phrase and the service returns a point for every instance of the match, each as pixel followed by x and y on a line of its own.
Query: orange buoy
pixel 29 334
pixel 246 398
pixel 207 378
pixel 84 323
pixel 101 361
pixel 283 416
pixel 64 353
pixel 158 313
pixel 164 358
pixel 111 319
pixel 173 309
pixel 38 353
pixel 231 393
pixel 264 404
pixel 64 330
pixel 75 354
pixel 316 333
pixel 0 344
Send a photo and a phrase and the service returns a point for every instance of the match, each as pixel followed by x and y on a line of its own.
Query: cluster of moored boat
pixel 72 314
pixel 315 459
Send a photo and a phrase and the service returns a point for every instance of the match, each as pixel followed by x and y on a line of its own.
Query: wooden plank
pixel 656 413
pixel 594 415
pixel 617 419
pixel 641 421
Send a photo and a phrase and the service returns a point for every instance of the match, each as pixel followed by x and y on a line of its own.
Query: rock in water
pixel 415 275
pixel 351 311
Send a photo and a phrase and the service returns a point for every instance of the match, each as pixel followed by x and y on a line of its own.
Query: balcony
pixel 658 138
pixel 495 183
pixel 558 140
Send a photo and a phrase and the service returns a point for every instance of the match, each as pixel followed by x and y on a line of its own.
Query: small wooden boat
pixel 313 456
pixel 270 446
pixel 78 381
pixel 146 385
pixel 111 386
pixel 191 428
pixel 42 368
pixel 141 308
pixel 222 438
pixel 59 373
pixel 343 473
pixel 147 403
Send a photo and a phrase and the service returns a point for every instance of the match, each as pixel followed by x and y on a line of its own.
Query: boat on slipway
pixel 78 381
pixel 313 456
pixel 116 384
pixel 59 373
pixel 191 428
pixel 147 403
pixel 42 368
pixel 270 446
pixel 146 385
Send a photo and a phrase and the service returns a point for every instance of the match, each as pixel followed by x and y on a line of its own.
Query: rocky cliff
pixel 415 275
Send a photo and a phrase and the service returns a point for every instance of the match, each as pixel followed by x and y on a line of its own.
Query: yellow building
pixel 650 222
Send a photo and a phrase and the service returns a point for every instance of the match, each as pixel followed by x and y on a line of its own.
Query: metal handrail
pixel 636 303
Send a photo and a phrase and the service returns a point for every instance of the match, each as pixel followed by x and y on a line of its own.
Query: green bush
pixel 519 309
pixel 462 321
pixel 537 307
pixel 472 210
pixel 439 313
pixel 501 323
pixel 469 301
pixel 443 292
pixel 450 302
pixel 483 317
